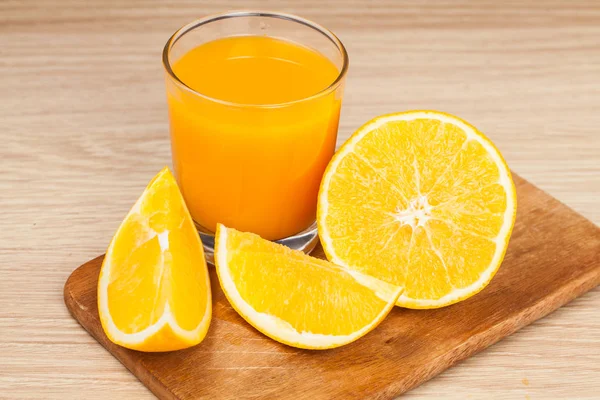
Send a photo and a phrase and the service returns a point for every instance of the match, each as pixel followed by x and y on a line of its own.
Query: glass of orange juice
pixel 254 103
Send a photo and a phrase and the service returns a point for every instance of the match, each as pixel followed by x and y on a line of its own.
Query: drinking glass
pixel 253 167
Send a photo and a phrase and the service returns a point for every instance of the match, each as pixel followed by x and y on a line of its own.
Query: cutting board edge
pixel 77 311
pixel 484 339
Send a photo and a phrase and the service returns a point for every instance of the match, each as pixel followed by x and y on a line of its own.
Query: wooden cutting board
pixel 553 257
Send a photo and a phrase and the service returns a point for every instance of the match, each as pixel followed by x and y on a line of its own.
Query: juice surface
pixel 255 70
pixel 254 165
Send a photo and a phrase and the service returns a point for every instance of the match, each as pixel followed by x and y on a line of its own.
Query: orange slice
pixel 154 290
pixel 420 200
pixel 293 298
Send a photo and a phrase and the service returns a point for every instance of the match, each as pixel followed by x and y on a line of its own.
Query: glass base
pixel 304 241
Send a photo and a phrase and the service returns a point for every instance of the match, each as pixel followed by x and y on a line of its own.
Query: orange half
pixel 421 200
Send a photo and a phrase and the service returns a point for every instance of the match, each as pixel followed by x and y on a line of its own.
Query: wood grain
pixel 546 265
pixel 84 127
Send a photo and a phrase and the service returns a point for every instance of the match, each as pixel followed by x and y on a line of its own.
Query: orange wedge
pixel 154 290
pixel 420 200
pixel 293 298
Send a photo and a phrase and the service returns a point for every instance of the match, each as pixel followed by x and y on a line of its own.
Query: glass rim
pixel 243 13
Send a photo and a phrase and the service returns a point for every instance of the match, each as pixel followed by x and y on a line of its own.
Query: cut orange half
pixel 420 200
pixel 154 290
pixel 293 298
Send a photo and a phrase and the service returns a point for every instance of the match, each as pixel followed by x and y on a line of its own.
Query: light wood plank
pixel 84 127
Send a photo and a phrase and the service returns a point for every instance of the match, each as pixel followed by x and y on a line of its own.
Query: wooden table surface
pixel 83 127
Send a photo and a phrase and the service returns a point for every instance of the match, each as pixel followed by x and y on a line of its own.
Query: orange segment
pixel 294 298
pixel 154 290
pixel 420 200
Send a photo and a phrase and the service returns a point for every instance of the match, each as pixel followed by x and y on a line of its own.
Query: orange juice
pixel 252 129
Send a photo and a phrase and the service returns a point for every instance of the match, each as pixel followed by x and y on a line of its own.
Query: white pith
pixel 418 211
pixel 166 319
pixel 416 214
pixel 276 327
